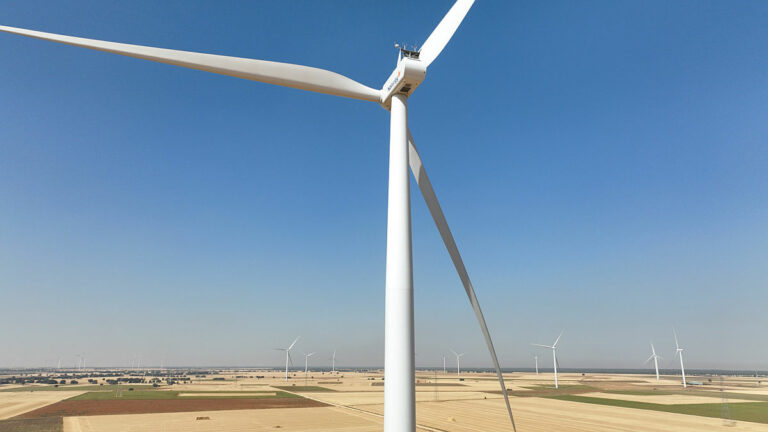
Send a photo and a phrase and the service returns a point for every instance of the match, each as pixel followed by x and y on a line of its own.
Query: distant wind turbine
pixel 458 361
pixel 443 364
pixel 306 360
pixel 655 358
pixel 288 356
pixel 679 353
pixel 536 359
pixel 553 347
pixel 333 362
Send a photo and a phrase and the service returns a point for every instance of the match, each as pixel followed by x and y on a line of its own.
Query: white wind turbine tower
pixel 306 360
pixel 553 347
pixel 655 358
pixel 288 355
pixel 444 364
pixel 679 353
pixel 536 359
pixel 399 367
pixel 458 361
pixel 333 362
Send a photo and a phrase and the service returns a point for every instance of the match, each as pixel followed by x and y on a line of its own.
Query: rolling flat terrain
pixel 353 401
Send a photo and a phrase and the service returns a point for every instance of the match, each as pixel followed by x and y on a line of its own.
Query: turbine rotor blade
pixel 545 346
pixel 676 344
pixel 444 31
pixel 557 340
pixel 294 343
pixel 283 74
pixel 442 226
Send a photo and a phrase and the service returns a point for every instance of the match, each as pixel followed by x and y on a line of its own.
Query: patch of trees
pixel 28 380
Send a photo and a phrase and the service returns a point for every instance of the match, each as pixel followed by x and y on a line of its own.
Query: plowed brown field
pixel 103 407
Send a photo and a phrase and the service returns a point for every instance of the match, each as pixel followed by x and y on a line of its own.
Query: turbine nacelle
pixel 408 74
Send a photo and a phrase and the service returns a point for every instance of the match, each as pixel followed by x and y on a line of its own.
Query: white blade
pixel 294 343
pixel 310 354
pixel 557 340
pixel 437 214
pixel 455 353
pixel 284 74
pixel 545 346
pixel 653 350
pixel 444 31
pixel 649 359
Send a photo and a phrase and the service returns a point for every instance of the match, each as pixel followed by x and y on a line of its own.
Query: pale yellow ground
pixel 470 406
pixel 664 399
pixel 226 394
pixel 327 419
pixel 15 403
pixel 364 398
pixel 757 391
pixel 548 415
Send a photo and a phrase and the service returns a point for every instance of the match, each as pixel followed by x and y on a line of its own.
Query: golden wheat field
pixel 252 400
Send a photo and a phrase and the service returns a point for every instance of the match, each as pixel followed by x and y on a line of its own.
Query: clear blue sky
pixel 603 165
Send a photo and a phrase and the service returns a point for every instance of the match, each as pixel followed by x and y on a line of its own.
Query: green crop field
pixel 77 388
pixel 710 393
pixel 163 394
pixel 743 411
pixel 560 387
pixel 304 388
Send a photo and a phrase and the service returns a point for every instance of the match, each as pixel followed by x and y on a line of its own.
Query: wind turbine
pixel 306 360
pixel 553 347
pixel 536 359
pixel 679 353
pixel 655 358
pixel 443 364
pixel 399 367
pixel 333 362
pixel 288 356
pixel 458 361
